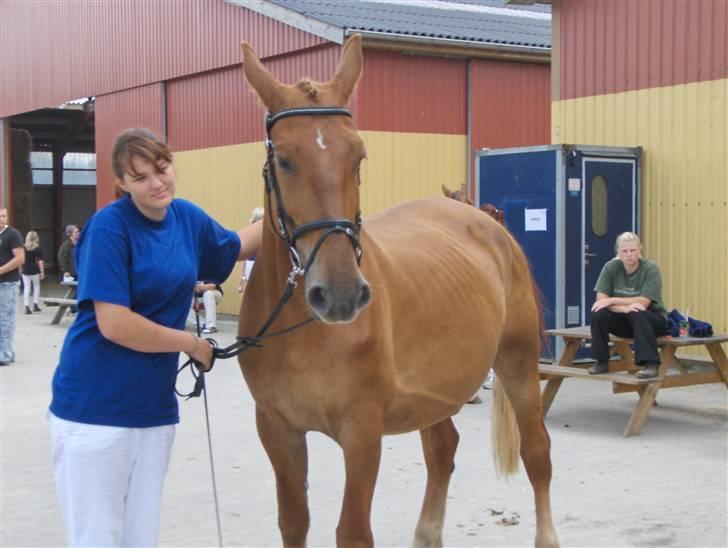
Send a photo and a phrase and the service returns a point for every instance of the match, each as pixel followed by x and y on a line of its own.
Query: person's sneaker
pixel 208 330
pixel 36 308
pixel 599 368
pixel 649 371
pixel 4 363
pixel 489 380
pixel 27 310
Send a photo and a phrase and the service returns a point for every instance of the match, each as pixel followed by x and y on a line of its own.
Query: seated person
pixel 210 294
pixel 628 304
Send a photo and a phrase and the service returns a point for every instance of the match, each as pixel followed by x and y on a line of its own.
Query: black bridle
pixel 285 226
pixel 288 231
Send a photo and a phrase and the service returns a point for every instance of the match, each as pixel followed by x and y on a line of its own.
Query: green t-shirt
pixel 646 281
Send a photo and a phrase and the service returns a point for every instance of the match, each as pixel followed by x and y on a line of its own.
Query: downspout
pixel 4 163
pixel 470 186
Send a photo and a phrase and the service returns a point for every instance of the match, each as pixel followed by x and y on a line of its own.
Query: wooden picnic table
pixel 64 303
pixel 671 373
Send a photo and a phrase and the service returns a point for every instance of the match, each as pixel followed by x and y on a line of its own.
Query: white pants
pixel 109 481
pixel 210 299
pixel 35 279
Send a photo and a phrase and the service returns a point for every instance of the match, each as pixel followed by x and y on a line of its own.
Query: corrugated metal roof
pixel 478 21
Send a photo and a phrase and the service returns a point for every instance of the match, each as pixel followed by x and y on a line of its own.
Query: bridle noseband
pixel 285 227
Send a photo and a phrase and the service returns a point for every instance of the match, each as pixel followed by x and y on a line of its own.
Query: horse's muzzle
pixel 338 304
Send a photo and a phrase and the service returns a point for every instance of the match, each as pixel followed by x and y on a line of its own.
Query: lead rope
pixel 209 432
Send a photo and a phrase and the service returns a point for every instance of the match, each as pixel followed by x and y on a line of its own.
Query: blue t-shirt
pixel 151 267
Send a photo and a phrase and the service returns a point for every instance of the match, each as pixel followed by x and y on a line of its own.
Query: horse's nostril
pixel 317 297
pixel 365 295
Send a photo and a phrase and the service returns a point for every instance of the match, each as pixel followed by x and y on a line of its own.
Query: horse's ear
pixel 446 191
pixel 259 79
pixel 349 70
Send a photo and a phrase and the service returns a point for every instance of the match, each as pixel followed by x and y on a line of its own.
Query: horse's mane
pixel 309 88
pixel 462 196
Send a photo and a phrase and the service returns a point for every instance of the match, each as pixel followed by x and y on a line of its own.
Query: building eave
pixel 322 29
pixel 446 47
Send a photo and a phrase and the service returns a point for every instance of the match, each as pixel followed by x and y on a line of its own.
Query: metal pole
pixel 3 163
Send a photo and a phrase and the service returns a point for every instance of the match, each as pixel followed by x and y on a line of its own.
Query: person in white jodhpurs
pixel 211 295
pixel 32 271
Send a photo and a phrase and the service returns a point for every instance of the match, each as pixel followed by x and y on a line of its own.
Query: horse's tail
pixel 504 431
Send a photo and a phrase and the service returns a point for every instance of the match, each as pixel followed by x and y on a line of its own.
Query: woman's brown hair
pixel 136 143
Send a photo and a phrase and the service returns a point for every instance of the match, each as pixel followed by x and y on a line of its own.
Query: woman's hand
pixel 201 352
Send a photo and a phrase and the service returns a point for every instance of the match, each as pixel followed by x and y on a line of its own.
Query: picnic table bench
pixel 64 303
pixel 671 373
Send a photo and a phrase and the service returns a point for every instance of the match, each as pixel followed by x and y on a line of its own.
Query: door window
pixel 599 206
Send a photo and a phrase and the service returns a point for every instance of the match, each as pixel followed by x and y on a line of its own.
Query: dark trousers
pixel 643 327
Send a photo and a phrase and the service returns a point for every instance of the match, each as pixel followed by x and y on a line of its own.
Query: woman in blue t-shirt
pixel 114 409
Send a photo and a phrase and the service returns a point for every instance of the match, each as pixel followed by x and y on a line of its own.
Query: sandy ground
pixel 666 487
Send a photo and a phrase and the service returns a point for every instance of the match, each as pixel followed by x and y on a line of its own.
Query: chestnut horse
pixel 380 358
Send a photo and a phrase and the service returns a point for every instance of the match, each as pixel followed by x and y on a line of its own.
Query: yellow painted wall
pixel 684 132
pixel 227 181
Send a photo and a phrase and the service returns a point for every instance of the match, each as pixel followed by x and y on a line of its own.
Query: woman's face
pixel 151 188
pixel 629 253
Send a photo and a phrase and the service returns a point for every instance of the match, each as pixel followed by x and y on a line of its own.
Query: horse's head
pixel 314 154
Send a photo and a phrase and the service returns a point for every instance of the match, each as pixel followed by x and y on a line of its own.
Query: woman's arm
pixel 124 327
pixel 250 238
pixel 41 266
pixel 201 288
pixel 16 262
pixel 620 304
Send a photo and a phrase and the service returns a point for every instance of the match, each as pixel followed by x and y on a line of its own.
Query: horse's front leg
pixel 287 451
pixel 361 440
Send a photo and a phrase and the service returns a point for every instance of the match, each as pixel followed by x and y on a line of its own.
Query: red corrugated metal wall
pixel 138 107
pixel 396 93
pixel 608 47
pixel 217 108
pixel 65 49
pixel 412 93
pixel 510 105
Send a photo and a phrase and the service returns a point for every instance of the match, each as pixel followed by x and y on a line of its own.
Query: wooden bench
pixel 64 303
pixel 671 373
pixel 57 301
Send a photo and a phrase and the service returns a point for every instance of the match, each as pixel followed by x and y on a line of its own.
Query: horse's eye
pixel 283 164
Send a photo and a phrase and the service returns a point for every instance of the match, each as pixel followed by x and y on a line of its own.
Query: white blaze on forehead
pixel 320 139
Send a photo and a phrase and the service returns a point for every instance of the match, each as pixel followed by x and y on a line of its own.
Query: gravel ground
pixel 666 487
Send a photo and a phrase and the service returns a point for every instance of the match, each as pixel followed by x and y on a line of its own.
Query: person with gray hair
pixel 629 305
pixel 66 263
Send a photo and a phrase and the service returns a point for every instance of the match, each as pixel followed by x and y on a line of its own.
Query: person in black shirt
pixel 33 271
pixel 12 256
